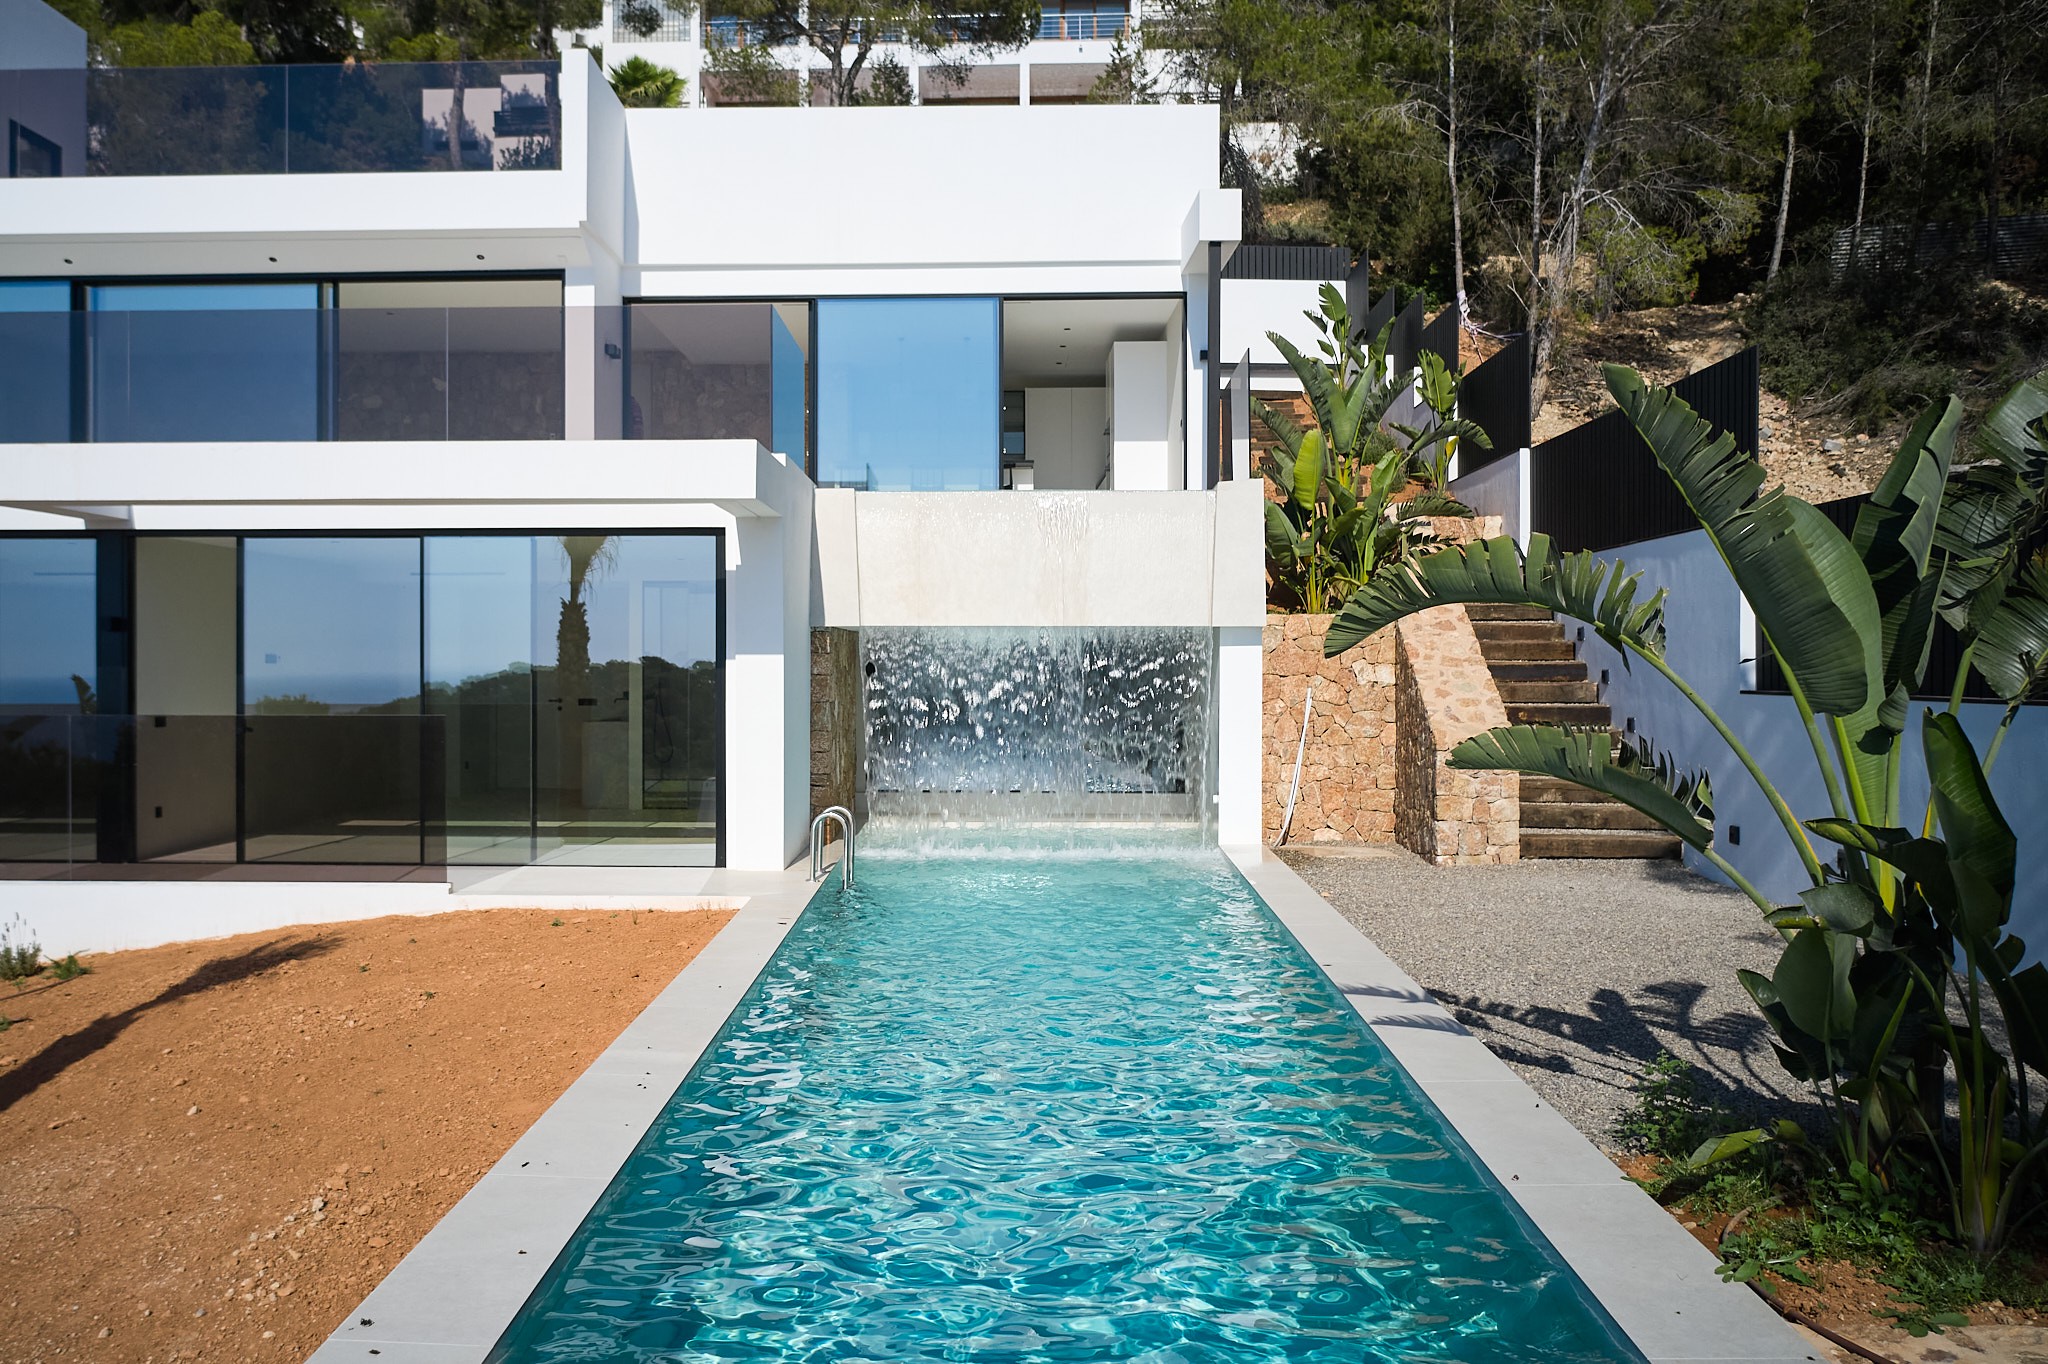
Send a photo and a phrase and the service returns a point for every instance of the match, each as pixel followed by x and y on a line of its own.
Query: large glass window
pixel 480 685
pixel 35 360
pixel 53 742
pixel 448 359
pixel 331 698
pixel 909 393
pixel 205 362
pixel 721 371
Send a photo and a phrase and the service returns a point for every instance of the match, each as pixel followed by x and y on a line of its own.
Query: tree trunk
pixel 1534 306
pixel 1784 205
pixel 455 119
pixel 1565 257
pixel 1451 162
pixel 1863 168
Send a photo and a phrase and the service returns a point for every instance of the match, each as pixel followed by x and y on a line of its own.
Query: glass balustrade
pixel 282 120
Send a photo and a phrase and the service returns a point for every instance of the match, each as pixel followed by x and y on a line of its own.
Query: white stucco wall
pixel 1500 489
pixel 916 200
pixel 1708 641
pixel 1253 307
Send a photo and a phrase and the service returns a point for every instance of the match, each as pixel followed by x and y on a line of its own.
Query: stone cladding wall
pixel 1347 773
pixel 836 720
pixel 1445 694
pixel 1385 717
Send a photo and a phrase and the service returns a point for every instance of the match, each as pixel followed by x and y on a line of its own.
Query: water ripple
pixel 1052 1112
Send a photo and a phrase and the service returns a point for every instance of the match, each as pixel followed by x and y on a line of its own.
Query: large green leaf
pixel 1308 470
pixel 1894 537
pixel 1496 571
pixel 2010 432
pixel 1974 828
pixel 1637 777
pixel 1812 981
pixel 1324 396
pixel 1822 621
pixel 2012 641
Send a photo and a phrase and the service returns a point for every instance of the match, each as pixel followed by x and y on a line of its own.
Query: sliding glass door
pixel 576 679
pixel 392 700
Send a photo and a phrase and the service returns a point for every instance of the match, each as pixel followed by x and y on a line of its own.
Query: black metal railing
pixel 1598 486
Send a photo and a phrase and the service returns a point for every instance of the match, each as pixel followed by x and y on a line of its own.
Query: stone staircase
pixel 1542 681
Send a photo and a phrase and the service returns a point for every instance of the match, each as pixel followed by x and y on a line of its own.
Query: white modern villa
pixel 382 507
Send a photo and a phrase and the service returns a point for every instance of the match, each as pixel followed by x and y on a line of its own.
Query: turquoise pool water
pixel 1052 1108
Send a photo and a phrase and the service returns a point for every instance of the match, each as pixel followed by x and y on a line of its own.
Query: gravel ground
pixel 1577 972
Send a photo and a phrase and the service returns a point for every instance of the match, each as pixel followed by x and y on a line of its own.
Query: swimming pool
pixel 1059 1106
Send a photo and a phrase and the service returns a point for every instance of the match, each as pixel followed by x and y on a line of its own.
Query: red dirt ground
pixel 214 1150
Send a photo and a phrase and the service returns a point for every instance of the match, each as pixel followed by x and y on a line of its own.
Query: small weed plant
pixel 71 968
pixel 21 956
pixel 1665 1119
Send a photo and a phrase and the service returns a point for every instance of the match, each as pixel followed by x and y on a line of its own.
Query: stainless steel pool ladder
pixel 845 818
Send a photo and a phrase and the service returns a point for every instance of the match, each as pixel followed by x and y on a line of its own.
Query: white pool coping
pixel 1654 1279
pixel 453 1295
pixel 451 1298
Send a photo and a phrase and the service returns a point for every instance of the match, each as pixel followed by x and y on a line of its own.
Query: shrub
pixel 71 968
pixel 1666 1118
pixel 21 956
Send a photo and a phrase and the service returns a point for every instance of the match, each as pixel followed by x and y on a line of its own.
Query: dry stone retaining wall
pixel 1347 773
pixel 836 720
pixel 1385 716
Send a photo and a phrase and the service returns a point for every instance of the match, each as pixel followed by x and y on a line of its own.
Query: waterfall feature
pixel 1039 725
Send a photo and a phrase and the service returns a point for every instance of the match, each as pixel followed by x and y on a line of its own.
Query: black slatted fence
pixel 1288 260
pixel 1377 316
pixel 1404 347
pixel 1598 487
pixel 1441 338
pixel 1496 395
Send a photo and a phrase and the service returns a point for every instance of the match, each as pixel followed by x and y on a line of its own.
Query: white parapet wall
pixel 1193 559
pixel 1500 488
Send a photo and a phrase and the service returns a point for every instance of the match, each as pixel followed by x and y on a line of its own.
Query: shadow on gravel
pixel 1615 1037
pixel 68 1050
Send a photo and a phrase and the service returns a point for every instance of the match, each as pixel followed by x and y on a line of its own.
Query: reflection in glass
pixel 276 120
pixel 52 748
pixel 449 359
pixel 35 360
pixel 205 362
pixel 479 613
pixel 626 686
pixel 720 371
pixel 332 740
pixel 909 393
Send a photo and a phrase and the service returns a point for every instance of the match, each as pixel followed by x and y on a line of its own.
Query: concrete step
pixel 1530 690
pixel 1489 612
pixel 1598 813
pixel 1634 843
pixel 1578 714
pixel 1556 650
pixel 1534 631
pixel 1555 670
